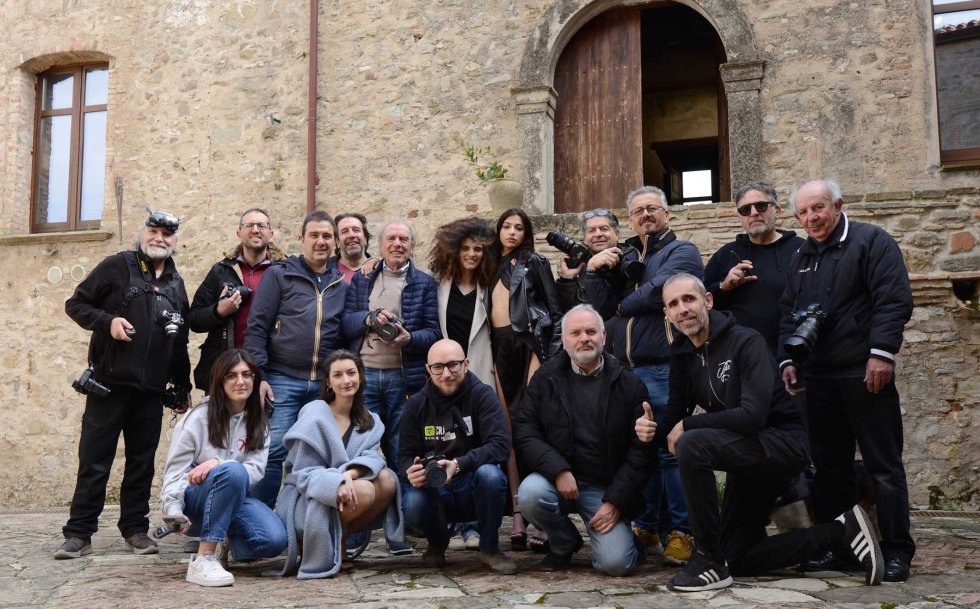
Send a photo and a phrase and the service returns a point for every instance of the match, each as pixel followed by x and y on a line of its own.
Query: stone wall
pixel 207 116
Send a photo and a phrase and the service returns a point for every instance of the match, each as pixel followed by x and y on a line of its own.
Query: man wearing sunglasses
pixel 135 352
pixel 747 276
pixel 220 307
pixel 453 433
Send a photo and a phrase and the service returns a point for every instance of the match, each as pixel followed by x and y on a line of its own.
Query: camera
pixel 171 321
pixel 578 253
pixel 800 344
pixel 85 384
pixel 435 474
pixel 174 397
pixel 387 330
pixel 171 524
pixel 231 288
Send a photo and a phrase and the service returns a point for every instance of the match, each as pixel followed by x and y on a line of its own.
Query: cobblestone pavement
pixel 946 573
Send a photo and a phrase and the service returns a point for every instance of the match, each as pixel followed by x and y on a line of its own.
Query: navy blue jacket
pixel 420 310
pixel 294 323
pixel 859 278
pixel 642 335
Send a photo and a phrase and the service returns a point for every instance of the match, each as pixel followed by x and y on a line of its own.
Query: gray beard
pixel 157 253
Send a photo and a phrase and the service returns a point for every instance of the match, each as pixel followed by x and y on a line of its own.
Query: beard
pixel 584 359
pixel 353 250
pixel 156 252
pixel 694 330
pixel 448 391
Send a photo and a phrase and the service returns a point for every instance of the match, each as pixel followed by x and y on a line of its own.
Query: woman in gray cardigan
pixel 336 482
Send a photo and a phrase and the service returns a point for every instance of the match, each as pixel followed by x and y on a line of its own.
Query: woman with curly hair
pixel 525 316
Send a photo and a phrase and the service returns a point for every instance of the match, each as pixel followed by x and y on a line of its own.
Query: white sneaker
pixel 207 571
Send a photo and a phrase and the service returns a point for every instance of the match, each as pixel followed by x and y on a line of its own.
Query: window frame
pixel 77 111
pixel 951 156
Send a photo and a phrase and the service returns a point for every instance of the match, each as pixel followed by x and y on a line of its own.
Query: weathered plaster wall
pixel 207 116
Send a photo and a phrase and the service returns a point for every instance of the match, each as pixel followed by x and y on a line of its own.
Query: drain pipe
pixel 311 178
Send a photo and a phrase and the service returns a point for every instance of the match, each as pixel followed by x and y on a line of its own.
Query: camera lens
pixel 435 474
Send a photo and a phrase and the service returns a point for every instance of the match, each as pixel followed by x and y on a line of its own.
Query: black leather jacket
pixel 534 305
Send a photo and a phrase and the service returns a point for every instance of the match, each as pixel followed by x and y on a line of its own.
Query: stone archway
pixel 536 100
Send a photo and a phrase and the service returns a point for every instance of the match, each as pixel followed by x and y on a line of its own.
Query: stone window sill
pixel 66 237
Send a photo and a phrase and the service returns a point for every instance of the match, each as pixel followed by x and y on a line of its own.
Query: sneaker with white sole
pixel 650 540
pixel 140 543
pixel 701 573
pixel 207 571
pixel 678 549
pixel 73 547
pixel 859 535
pixel 472 541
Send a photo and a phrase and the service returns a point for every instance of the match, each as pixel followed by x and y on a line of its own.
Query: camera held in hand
pixel 435 473
pixel 578 253
pixel 800 344
pixel 231 289
pixel 86 384
pixel 170 320
pixel 171 524
pixel 625 271
pixel 387 330
pixel 174 397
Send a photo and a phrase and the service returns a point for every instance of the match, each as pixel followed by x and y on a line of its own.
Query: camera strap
pixel 140 282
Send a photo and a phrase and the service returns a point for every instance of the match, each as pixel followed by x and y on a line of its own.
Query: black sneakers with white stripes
pixel 701 573
pixel 859 536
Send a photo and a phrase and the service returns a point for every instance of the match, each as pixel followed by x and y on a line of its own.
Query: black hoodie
pixel 467 426
pixel 755 304
pixel 734 378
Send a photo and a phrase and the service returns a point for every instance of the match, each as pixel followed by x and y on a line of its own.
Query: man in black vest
pixel 134 303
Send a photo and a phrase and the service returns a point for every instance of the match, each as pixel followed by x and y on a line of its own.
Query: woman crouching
pixel 335 480
pixel 218 452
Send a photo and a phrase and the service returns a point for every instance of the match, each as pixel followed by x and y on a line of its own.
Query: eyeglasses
pixel 601 212
pixel 254 225
pixel 454 367
pixel 746 209
pixel 649 209
pixel 246 376
pixel 161 219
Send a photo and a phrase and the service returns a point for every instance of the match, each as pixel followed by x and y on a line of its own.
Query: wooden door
pixel 598 119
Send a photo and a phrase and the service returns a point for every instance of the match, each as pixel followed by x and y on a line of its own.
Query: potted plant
pixel 504 193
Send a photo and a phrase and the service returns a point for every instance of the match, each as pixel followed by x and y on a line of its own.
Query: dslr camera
pixel 231 288
pixel 170 320
pixel 174 397
pixel 86 384
pixel 578 254
pixel 435 474
pixel 387 330
pixel 800 344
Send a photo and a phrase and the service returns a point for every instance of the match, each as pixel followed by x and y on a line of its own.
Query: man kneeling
pixel 452 443
pixel 752 431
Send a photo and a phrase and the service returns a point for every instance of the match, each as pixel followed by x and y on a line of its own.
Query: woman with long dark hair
pixel 525 316
pixel 218 452
pixel 336 482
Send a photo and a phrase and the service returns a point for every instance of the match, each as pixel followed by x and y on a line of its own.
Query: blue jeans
pixel 667 477
pixel 221 507
pixel 613 553
pixel 384 395
pixel 480 494
pixel 291 395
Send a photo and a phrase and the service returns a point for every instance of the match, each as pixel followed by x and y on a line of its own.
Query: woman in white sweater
pixel 218 452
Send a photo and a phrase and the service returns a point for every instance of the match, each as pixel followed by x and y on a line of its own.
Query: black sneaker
pixel 434 556
pixel 859 535
pixel 831 561
pixel 701 573
pixel 399 548
pixel 73 547
pixel 142 544
pixel 554 561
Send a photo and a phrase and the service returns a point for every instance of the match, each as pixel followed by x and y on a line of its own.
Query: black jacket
pixel 546 415
pixel 642 335
pixel 467 426
pixel 734 378
pixel 152 359
pixel 755 304
pixel 859 278
pixel 203 316
pixel 534 304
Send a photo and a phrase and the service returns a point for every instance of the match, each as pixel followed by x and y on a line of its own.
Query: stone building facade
pixel 208 114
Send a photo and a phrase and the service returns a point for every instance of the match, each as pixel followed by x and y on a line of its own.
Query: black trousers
pixel 842 411
pixel 137 415
pixel 737 531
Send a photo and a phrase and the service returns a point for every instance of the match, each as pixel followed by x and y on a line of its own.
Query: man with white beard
pixel 134 303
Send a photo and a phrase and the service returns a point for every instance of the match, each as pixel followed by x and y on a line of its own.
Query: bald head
pixel 445 350
pixel 447 365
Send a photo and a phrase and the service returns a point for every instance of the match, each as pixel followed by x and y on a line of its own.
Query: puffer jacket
pixel 420 310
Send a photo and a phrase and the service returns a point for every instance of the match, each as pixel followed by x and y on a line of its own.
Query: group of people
pixel 347 393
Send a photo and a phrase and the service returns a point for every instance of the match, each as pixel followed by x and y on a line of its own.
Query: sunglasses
pixel 161 219
pixel 601 212
pixel 760 208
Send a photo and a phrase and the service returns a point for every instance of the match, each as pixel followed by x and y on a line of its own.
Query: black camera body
pixel 387 330
pixel 435 474
pixel 578 253
pixel 171 321
pixel 626 271
pixel 231 289
pixel 174 397
pixel 86 384
pixel 800 344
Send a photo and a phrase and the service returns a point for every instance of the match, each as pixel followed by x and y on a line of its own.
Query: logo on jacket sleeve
pixel 724 371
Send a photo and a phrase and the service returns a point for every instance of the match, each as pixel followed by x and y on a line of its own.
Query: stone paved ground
pixel 946 574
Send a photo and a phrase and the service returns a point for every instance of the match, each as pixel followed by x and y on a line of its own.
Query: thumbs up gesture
pixel 645 426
